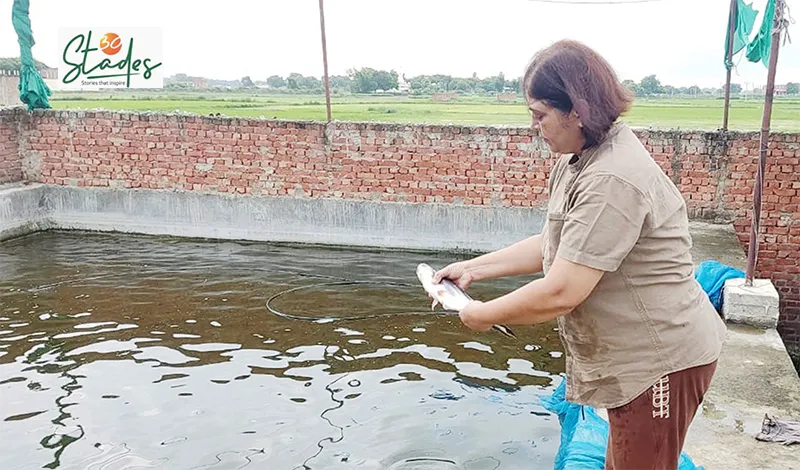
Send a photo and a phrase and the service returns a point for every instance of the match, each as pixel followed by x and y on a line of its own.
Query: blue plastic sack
pixel 584 435
pixel 712 276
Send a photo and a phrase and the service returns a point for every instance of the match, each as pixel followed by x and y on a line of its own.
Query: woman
pixel 641 336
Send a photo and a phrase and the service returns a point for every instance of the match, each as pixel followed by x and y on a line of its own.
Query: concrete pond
pixel 157 352
pixel 125 342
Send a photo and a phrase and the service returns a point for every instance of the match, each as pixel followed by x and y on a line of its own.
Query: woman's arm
pixel 566 286
pixel 523 257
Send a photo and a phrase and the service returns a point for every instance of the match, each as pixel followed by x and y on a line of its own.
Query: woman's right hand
pixel 523 257
pixel 459 273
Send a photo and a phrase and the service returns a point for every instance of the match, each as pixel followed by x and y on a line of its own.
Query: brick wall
pixel 354 161
pixel 10 160
pixel 411 163
pixel 716 175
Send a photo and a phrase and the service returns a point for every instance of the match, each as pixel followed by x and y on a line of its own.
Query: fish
pixel 450 296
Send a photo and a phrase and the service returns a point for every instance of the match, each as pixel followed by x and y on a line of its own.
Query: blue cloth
pixel 744 19
pixel 584 435
pixel 712 276
pixel 33 91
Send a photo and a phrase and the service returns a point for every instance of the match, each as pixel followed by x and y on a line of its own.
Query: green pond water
pixel 122 352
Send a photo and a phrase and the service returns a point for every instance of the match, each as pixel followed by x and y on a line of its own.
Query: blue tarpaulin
pixel 584 434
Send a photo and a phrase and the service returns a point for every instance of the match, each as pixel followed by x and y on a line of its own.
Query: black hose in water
pixel 332 319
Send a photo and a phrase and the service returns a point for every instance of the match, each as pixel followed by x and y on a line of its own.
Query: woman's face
pixel 561 132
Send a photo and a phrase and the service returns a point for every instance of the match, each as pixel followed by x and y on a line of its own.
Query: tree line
pixel 368 80
pixel 652 86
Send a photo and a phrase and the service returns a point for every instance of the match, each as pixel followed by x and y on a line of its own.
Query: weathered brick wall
pixel 716 175
pixel 354 161
pixel 411 163
pixel 10 159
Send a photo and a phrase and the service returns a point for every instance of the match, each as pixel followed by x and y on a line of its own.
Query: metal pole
pixel 732 28
pixel 325 60
pixel 752 251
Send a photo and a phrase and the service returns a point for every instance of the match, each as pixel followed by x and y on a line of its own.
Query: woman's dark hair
pixel 569 75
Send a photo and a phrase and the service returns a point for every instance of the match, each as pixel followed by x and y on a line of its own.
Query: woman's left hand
pixel 473 316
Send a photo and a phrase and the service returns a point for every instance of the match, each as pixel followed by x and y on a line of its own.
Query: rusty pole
pixel 752 250
pixel 729 60
pixel 325 60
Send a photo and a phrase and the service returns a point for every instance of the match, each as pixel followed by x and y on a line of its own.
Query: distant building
pixel 49 73
pixel 50 77
pixel 444 96
pixel 9 92
pixel 506 97
pixel 780 90
pixel 9 84
pixel 403 86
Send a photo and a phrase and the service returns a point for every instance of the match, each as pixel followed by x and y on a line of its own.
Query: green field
pixel 673 113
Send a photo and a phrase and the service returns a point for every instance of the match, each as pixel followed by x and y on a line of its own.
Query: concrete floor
pixel 718 243
pixel 754 376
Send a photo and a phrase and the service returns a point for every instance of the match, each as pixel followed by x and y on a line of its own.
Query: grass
pixel 669 113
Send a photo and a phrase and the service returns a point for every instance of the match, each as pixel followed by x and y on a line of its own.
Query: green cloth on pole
pixel 759 48
pixel 33 91
pixel 744 19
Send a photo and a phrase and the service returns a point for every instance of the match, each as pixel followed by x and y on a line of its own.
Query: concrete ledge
pixel 23 210
pixel 36 207
pixel 277 219
pixel 757 305
pixel 717 242
pixel 754 376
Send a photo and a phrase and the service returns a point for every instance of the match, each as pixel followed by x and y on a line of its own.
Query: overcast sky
pixel 681 41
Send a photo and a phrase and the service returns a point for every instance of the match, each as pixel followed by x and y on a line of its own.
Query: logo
pixel 110 43
pixel 93 59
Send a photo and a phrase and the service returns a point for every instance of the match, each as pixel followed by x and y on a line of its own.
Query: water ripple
pixel 143 352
